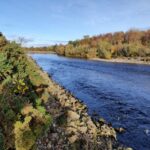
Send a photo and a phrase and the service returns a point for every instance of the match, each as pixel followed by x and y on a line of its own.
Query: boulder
pixel 49 146
pixel 73 115
pixel 82 129
pixel 73 138
pixel 71 130
pixel 107 131
pixel 120 130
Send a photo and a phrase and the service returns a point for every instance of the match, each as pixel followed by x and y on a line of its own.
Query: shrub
pixel 104 54
pixel 23 118
pixel 24 137
pixel 6 68
pixel 92 53
pixel 3 41
pixel 35 122
pixel 104 50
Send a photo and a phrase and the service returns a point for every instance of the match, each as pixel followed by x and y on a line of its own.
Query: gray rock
pixel 82 129
pixel 73 138
pixel 73 115
pixel 49 146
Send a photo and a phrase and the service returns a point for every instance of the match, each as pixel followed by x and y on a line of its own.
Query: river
pixel 118 92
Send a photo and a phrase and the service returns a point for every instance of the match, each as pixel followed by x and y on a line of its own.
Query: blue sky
pixel 45 21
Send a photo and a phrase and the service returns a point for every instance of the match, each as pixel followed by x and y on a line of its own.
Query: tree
pixel 86 37
pixel 60 49
pixel 3 40
pixel 118 38
pixel 23 40
pixel 146 38
pixel 133 36
pixel 104 49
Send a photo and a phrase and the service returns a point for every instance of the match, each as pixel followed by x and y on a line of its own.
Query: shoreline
pixel 40 52
pixel 125 60
pixel 76 125
pixel 122 60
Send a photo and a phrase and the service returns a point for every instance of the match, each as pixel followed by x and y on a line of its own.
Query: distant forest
pixel 133 43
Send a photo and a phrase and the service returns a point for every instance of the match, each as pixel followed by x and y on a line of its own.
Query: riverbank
pixel 145 61
pixel 40 52
pixel 129 60
pixel 72 127
pixel 23 117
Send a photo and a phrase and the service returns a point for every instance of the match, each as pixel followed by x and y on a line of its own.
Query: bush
pixel 104 54
pixel 25 134
pixel 104 50
pixel 3 41
pixel 92 53
pixel 23 118
pixel 24 137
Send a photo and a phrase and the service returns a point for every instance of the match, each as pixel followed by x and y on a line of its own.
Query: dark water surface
pixel 118 92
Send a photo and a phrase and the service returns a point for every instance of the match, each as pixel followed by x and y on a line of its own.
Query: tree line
pixel 133 43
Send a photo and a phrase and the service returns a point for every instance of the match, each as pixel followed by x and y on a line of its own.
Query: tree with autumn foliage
pixel 133 43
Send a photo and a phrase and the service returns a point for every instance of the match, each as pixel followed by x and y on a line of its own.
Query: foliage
pixel 24 137
pixel 104 49
pixel 19 127
pixel 133 43
pixel 25 134
pixel 92 53
pixel 3 40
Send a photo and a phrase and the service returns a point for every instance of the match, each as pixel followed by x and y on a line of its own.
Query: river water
pixel 118 92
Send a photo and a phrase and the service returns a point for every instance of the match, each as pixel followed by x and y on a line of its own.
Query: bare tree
pixel 23 40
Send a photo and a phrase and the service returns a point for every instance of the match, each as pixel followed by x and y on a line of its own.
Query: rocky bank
pixel 72 127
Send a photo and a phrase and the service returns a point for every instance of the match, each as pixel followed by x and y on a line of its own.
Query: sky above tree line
pixel 45 22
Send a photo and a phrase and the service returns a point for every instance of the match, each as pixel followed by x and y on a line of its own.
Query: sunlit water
pixel 118 92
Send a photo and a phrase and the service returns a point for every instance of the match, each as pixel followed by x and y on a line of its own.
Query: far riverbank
pixel 129 60
pixel 40 52
pixel 125 60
